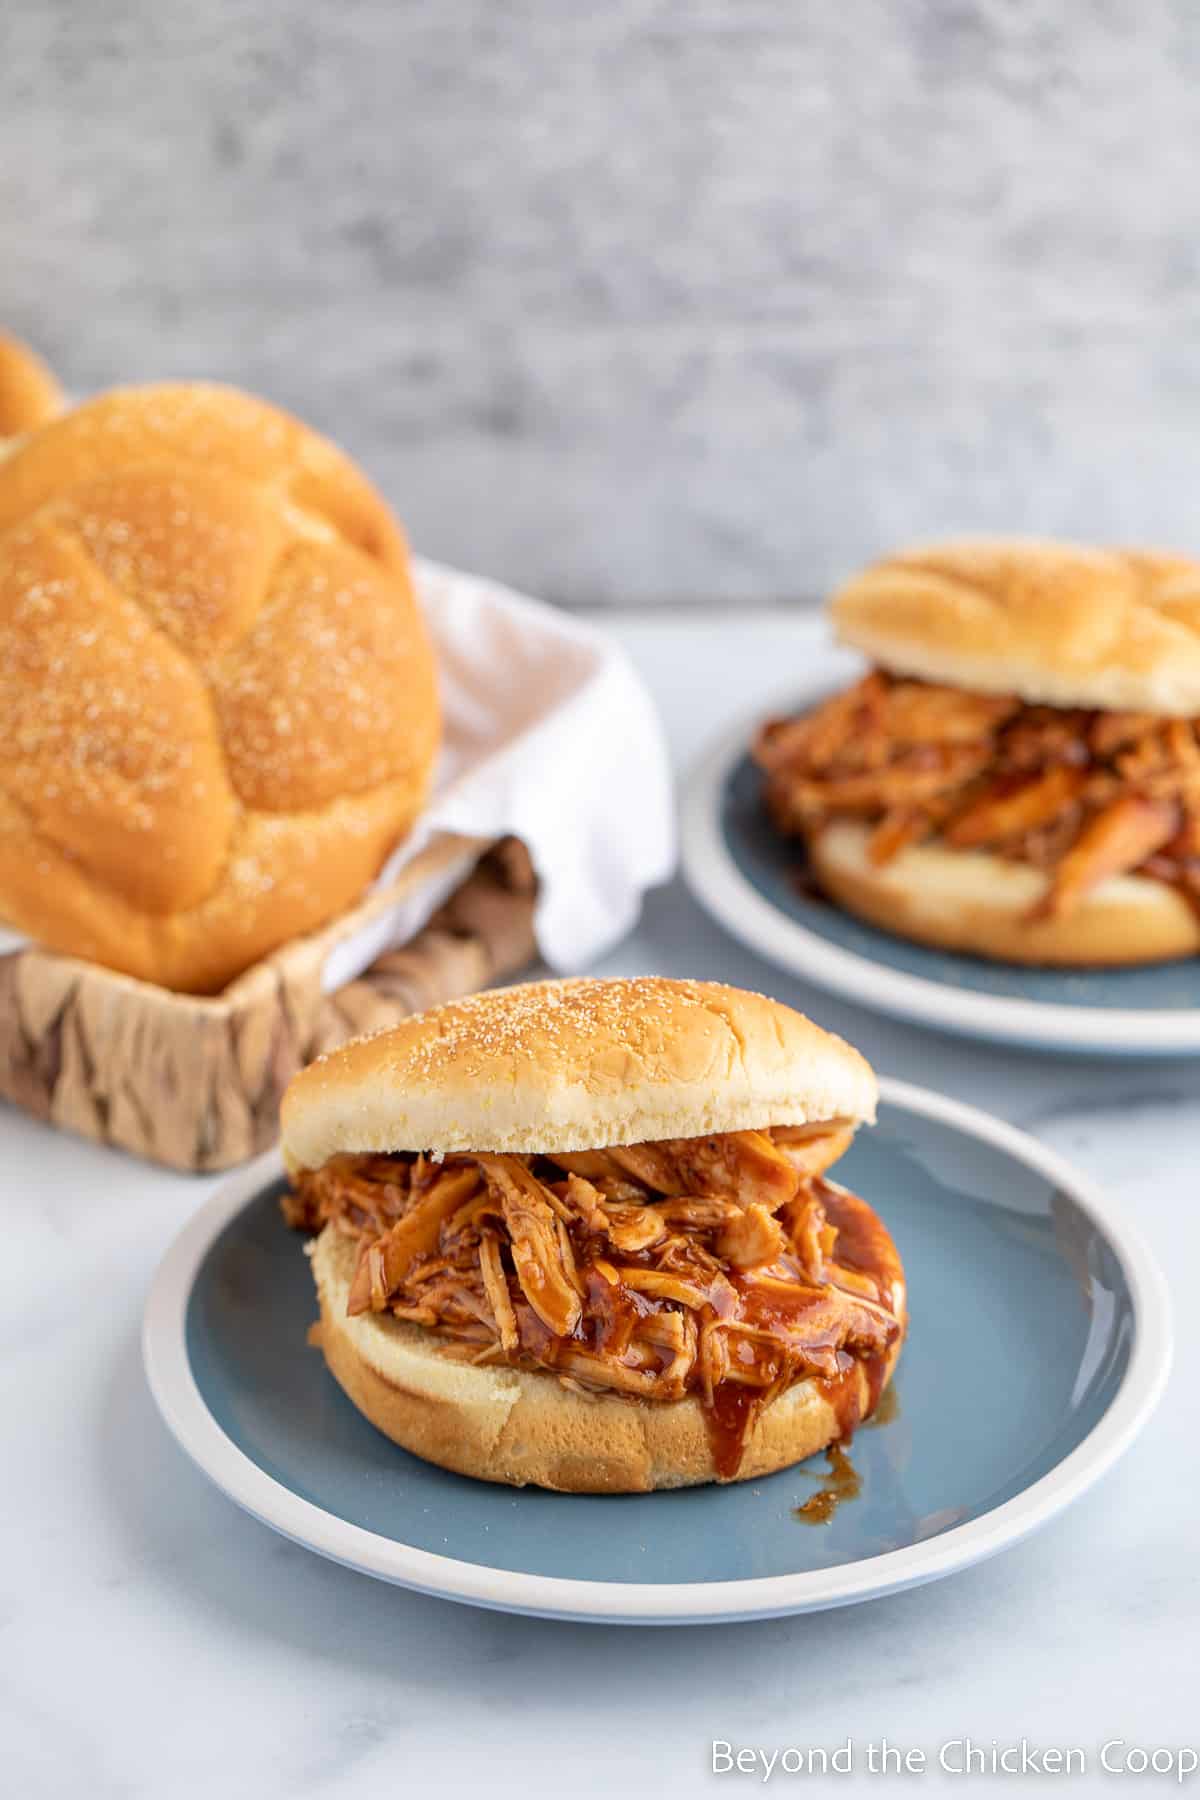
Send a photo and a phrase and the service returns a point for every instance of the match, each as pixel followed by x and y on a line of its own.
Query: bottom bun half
pixel 970 900
pixel 525 1428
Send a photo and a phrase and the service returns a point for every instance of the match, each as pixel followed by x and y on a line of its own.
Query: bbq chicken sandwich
pixel 1018 775
pixel 581 1234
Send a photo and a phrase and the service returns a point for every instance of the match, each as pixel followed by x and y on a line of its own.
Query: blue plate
pixel 753 881
pixel 1007 1251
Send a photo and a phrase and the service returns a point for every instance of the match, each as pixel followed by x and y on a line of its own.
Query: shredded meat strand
pixel 1120 838
pixel 745 1165
pixel 712 1269
pixel 385 1263
pixel 753 1237
pixel 537 1249
pixel 1084 795
pixel 495 1284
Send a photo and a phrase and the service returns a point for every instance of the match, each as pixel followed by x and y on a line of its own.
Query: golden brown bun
pixel 1055 623
pixel 575 1065
pixel 970 900
pixel 219 699
pixel 526 1428
pixel 29 394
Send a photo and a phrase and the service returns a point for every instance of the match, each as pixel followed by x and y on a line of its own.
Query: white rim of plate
pixel 736 903
pixel 164 1350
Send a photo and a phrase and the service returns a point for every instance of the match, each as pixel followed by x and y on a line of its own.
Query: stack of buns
pixel 218 695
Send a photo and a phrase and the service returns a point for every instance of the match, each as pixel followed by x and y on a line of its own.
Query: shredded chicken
pixel 654 1270
pixel 1119 837
pixel 536 1246
pixel 753 1237
pixel 1083 795
pixel 413 1237
pixel 811 1149
pixel 495 1284
pixel 746 1165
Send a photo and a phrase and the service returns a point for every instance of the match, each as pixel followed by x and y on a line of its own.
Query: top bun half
pixel 1056 624
pixel 219 698
pixel 575 1065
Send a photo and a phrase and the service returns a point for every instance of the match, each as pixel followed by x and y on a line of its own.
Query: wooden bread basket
pixel 195 1083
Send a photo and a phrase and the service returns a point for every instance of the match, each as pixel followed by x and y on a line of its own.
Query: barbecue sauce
pixel 730 1420
pixel 887 1411
pixel 864 754
pixel 786 1339
pixel 862 1245
pixel 844 1483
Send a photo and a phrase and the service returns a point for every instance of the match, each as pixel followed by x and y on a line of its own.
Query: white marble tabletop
pixel 155 1642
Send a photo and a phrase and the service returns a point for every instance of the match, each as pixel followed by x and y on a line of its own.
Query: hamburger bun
pixel 522 1427
pixel 1057 624
pixel 973 901
pixel 218 696
pixel 558 1066
pixel 575 1065
pixel 29 394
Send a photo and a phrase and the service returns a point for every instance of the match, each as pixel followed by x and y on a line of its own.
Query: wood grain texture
pixel 196 1083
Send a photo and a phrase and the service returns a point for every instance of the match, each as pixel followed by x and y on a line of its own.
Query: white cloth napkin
pixel 550 736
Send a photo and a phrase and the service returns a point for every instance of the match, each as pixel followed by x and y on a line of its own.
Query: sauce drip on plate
pixel 844 1483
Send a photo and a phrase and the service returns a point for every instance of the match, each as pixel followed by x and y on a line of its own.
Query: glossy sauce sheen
pixel 844 1483
pixel 863 1245
pixel 777 1323
pixel 888 1410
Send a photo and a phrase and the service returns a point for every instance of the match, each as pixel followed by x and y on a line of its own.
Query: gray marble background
pixel 638 301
